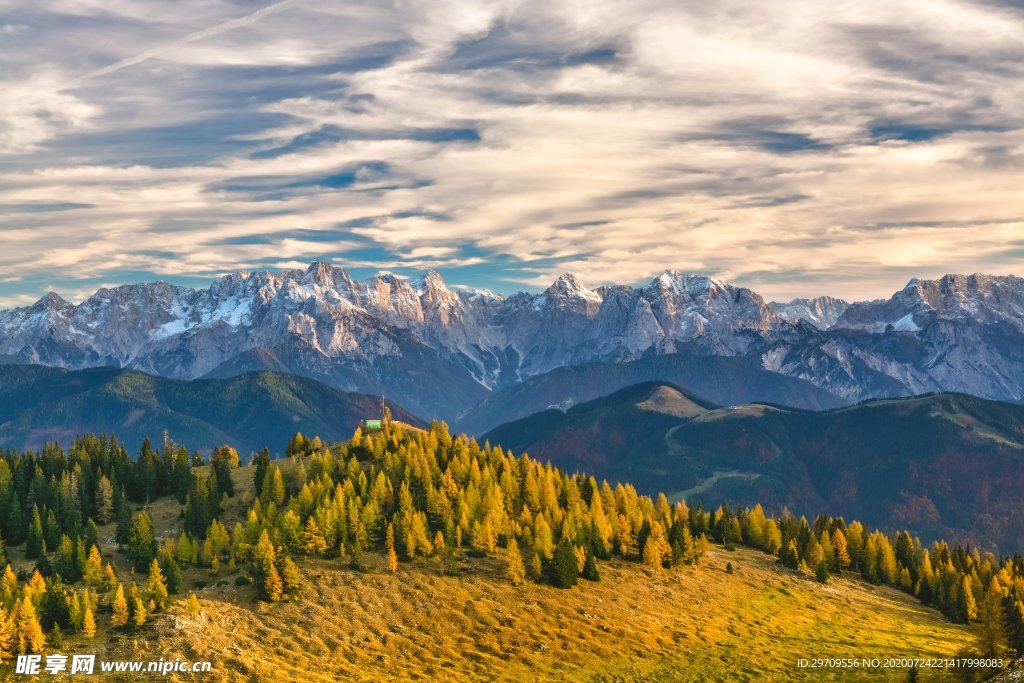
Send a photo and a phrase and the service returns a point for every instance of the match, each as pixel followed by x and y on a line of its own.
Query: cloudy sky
pixel 793 146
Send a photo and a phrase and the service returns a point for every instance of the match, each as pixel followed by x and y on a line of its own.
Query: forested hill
pixel 942 465
pixel 413 500
pixel 249 412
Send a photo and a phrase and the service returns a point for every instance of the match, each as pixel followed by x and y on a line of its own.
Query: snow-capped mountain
pixel 822 311
pixel 443 350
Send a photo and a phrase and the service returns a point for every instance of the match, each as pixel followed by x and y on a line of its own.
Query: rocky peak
pixel 52 301
pixel 822 311
pixel 568 286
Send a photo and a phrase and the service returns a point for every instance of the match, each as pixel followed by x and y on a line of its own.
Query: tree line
pixel 404 494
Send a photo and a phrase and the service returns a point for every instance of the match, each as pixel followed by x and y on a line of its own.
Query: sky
pixel 796 147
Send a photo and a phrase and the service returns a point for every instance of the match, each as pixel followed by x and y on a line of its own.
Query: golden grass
pixel 689 624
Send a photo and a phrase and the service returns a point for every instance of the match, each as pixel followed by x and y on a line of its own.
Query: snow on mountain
pixel 822 312
pixel 442 349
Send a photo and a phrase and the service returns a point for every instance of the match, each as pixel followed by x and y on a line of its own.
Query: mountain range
pixel 251 411
pixel 941 465
pixel 441 352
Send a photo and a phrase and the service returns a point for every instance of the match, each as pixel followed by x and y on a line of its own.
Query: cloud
pixel 781 147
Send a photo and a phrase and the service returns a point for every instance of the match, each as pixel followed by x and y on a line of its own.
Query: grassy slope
pixel 689 624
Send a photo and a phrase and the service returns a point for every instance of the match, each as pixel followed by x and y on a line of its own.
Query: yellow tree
pixel 6 634
pixel 841 553
pixel 389 542
pixel 30 638
pixel 989 629
pixel 120 607
pixel 88 623
pixel 656 548
pixel 156 587
pixel 93 574
pixel 515 570
pixel 316 544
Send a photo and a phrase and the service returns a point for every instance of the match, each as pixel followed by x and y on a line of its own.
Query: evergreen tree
pixel 171 571
pixel 563 569
pixel 141 541
pixel 15 522
pixel 262 462
pixel 966 606
pixel 225 459
pixel 35 544
pixel 590 571
pixel 124 518
pixel 822 572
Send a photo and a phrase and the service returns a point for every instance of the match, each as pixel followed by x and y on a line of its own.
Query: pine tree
pixel 141 541
pixel 124 518
pixel 171 571
pixel 120 614
pixel 514 568
pixel 156 587
pixel 966 605
pixel 822 572
pixel 88 623
pixel 262 462
pixel 564 567
pixel 35 544
pixel 30 638
pixel 590 571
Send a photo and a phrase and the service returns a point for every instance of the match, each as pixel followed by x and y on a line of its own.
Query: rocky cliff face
pixel 442 350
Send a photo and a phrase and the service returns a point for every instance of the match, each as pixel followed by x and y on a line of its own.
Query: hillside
pixel 723 380
pixel 944 465
pixel 422 624
pixel 248 412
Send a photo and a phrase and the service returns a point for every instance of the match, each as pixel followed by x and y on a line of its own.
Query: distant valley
pixel 947 465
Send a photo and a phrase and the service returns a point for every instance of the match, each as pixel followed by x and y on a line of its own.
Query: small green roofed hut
pixel 373 425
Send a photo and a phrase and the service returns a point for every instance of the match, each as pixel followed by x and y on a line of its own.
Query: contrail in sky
pixel 191 38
